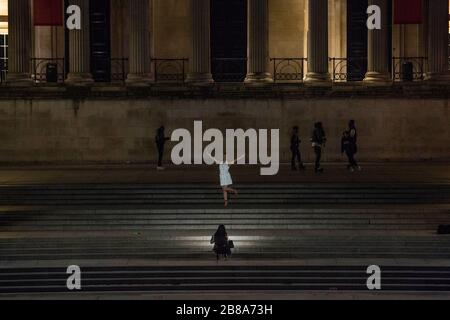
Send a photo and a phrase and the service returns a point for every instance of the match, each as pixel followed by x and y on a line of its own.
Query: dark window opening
pixel 100 43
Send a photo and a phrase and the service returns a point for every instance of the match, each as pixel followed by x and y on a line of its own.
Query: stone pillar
pixel 201 43
pixel 438 41
pixel 19 51
pixel 258 43
pixel 139 59
pixel 378 48
pixel 79 48
pixel 317 41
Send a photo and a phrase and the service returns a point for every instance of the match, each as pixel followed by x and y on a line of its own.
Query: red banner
pixel 407 11
pixel 48 12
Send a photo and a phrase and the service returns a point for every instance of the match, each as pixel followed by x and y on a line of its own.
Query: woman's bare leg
pixel 225 196
pixel 228 189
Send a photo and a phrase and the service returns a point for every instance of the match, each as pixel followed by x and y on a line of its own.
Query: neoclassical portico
pixel 139 22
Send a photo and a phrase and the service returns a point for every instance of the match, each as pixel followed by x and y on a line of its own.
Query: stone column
pixel 201 43
pixel 317 41
pixel 378 46
pixel 139 59
pixel 258 43
pixel 79 48
pixel 19 51
pixel 438 41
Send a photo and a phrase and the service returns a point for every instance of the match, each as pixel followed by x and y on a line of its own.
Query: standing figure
pixel 225 181
pixel 348 148
pixel 353 135
pixel 295 150
pixel 318 140
pixel 160 140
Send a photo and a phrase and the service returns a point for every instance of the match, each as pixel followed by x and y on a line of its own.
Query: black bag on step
pixel 444 229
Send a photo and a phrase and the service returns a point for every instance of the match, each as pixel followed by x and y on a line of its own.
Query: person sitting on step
pixel 221 243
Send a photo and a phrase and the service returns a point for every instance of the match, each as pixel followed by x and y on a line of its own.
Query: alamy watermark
pixel 228 148
pixel 74 19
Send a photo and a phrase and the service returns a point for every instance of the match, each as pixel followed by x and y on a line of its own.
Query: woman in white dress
pixel 225 181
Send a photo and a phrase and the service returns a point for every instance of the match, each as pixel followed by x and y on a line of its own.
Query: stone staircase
pixel 223 278
pixel 68 223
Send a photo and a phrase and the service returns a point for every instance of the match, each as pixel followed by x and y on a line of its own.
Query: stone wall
pixel 119 130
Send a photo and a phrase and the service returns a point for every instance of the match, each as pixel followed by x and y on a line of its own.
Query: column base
pixel 200 79
pixel 318 78
pixel 19 79
pixel 139 79
pixel 377 78
pixel 258 79
pixel 79 79
pixel 437 76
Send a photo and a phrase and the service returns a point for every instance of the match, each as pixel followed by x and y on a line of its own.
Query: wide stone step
pixel 254 278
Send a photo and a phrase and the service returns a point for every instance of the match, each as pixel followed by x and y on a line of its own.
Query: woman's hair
pixel 221 231
pixel 351 123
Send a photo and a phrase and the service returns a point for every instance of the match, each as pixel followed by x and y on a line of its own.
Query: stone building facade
pixel 137 64
pixel 121 35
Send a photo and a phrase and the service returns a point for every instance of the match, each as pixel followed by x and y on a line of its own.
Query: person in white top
pixel 225 178
pixel 226 181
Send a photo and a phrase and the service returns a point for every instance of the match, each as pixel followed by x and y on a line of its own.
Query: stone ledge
pixel 423 90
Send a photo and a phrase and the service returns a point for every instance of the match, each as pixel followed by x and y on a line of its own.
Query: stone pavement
pixel 423 172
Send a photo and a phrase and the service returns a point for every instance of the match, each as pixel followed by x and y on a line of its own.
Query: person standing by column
pixel 353 138
pixel 160 140
pixel 295 150
pixel 318 140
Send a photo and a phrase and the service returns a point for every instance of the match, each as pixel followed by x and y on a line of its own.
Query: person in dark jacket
pixel 353 139
pixel 348 148
pixel 318 140
pixel 295 150
pixel 160 140
pixel 221 243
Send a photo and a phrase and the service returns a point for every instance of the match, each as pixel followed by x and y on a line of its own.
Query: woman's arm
pixel 236 160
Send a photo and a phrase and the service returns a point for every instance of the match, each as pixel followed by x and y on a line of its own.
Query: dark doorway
pixel 100 35
pixel 229 40
pixel 356 39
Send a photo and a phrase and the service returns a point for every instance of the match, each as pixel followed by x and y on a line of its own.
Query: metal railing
pixel 43 68
pixel 3 70
pixel 348 69
pixel 119 69
pixel 170 70
pixel 288 69
pixel 229 69
pixel 408 68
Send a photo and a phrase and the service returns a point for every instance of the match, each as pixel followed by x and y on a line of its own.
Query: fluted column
pixel 258 42
pixel 317 41
pixel 438 41
pixel 139 59
pixel 19 51
pixel 201 43
pixel 79 48
pixel 378 48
